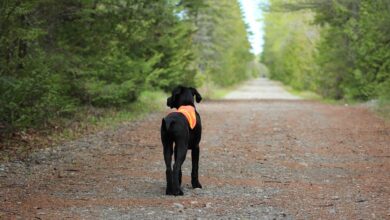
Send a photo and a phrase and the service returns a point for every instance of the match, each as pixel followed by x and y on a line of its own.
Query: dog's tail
pixel 167 123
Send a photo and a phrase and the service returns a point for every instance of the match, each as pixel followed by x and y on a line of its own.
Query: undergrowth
pixel 87 120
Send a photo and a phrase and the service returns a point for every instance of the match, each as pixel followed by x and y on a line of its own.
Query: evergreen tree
pixel 58 56
pixel 221 43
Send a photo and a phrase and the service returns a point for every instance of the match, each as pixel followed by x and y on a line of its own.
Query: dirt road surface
pixel 260 159
pixel 261 88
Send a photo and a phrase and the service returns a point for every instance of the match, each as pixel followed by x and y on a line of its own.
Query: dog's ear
pixel 171 101
pixel 195 92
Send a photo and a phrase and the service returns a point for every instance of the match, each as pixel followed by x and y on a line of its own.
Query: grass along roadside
pixel 87 120
pixel 304 94
pixel 379 107
pixel 210 91
pixel 310 95
pixel 383 109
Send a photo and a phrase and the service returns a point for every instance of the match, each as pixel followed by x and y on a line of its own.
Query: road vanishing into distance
pixel 265 154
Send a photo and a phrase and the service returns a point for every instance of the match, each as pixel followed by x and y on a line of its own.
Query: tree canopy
pixel 338 48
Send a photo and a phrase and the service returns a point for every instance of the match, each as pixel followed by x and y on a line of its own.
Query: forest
pixel 57 57
pixel 339 49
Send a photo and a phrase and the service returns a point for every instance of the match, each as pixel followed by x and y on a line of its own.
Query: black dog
pixel 176 128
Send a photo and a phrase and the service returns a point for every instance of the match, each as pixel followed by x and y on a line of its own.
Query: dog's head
pixel 183 96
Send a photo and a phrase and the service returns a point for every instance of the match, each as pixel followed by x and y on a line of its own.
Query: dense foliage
pixel 56 56
pixel 339 48
pixel 289 50
pixel 221 43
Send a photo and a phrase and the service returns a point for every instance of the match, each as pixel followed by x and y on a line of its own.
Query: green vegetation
pixel 58 58
pixel 211 91
pixel 290 48
pixel 86 120
pixel 383 109
pixel 221 43
pixel 339 49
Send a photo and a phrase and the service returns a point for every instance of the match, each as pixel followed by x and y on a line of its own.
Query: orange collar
pixel 189 112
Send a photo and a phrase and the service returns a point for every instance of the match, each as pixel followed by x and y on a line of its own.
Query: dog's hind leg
pixel 195 165
pixel 180 172
pixel 168 151
pixel 181 148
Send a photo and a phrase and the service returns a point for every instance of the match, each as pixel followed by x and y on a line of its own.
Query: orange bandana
pixel 189 112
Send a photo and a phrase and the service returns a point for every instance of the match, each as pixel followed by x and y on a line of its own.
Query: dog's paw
pixel 168 192
pixel 178 193
pixel 196 184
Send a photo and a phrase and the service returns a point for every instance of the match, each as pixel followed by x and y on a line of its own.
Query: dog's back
pixel 173 123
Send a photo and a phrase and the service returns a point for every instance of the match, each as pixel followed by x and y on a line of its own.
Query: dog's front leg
pixel 195 165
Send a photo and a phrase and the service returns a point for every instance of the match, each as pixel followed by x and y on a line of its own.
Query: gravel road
pixel 261 88
pixel 260 159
